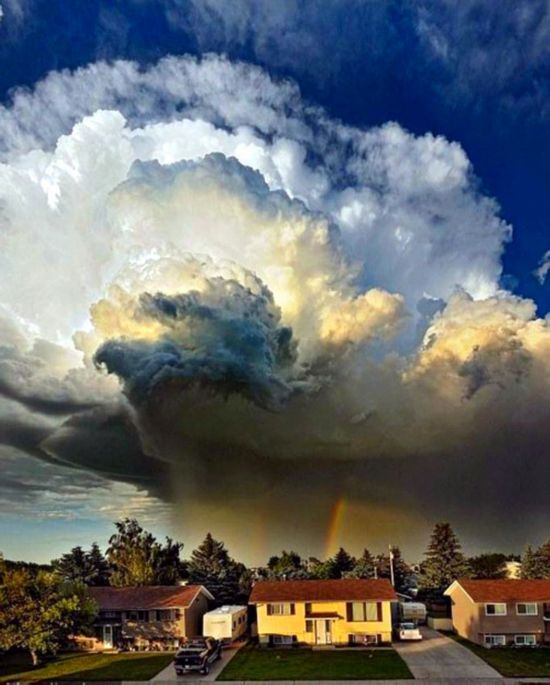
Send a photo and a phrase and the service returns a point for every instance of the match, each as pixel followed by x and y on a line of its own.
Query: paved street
pixel 438 656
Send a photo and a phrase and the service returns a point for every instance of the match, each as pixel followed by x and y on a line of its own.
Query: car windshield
pixel 408 626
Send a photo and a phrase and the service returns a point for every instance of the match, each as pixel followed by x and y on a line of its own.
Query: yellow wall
pixel 341 628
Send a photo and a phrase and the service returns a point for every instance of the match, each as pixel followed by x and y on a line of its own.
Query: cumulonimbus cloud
pixel 273 290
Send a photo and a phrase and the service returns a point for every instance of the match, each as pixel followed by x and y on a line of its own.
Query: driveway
pixel 437 656
pixel 168 674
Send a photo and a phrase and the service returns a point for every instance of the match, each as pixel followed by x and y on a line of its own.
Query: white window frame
pixel 489 640
pixel 532 640
pixel 496 604
pixel 526 605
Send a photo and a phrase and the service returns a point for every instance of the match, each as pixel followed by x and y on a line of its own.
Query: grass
pixel 257 663
pixel 77 666
pixel 513 662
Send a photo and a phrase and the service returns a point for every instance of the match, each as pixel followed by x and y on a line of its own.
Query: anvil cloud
pixel 209 286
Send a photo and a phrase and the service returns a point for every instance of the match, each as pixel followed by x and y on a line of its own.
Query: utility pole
pixel 392 572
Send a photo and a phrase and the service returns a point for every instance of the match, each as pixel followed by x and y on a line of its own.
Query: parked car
pixel 409 631
pixel 196 655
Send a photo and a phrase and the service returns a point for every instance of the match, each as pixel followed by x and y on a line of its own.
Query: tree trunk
pixel 34 657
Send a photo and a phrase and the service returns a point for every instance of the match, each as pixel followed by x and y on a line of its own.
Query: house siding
pixel 471 622
pixel 192 621
pixel 341 628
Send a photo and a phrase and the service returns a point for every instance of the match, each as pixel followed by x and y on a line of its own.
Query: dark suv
pixel 196 655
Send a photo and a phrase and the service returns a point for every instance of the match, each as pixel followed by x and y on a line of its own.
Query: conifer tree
pixel 364 566
pixel 342 563
pixel 444 561
pixel 210 565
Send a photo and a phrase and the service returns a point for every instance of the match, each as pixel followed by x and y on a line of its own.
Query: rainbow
pixel 334 528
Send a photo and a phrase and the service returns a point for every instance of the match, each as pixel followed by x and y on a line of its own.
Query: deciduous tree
pixel 39 613
pixel 137 558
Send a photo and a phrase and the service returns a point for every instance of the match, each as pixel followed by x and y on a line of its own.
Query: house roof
pixel 504 590
pixel 146 597
pixel 322 590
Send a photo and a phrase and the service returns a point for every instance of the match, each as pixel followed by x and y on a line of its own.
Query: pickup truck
pixel 197 654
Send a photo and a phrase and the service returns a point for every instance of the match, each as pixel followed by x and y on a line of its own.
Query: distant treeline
pixel 134 556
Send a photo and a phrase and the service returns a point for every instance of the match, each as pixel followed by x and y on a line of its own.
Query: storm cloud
pixel 248 310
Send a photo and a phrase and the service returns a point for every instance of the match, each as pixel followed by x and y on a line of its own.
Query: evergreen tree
pixel 99 567
pixel 90 568
pixel 364 566
pixel 444 561
pixel 210 565
pixel 137 558
pixel 342 563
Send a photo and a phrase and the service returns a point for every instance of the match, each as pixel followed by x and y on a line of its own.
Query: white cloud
pixel 541 272
pixel 240 212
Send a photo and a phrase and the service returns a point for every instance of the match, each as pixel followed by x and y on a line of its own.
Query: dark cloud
pixel 105 441
pixel 227 339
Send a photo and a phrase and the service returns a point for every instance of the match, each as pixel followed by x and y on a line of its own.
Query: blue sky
pixel 361 189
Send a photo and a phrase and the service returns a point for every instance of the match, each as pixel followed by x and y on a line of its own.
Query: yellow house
pixel 323 612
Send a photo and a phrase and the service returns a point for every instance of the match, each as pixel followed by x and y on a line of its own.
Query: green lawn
pixel 75 666
pixel 513 662
pixel 256 663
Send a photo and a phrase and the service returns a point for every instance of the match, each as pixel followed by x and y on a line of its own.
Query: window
pixel 143 615
pixel 527 609
pixel 495 640
pixel 364 611
pixel 363 639
pixel 282 639
pixel 495 609
pixel 525 640
pixel 164 614
pixel 309 626
pixel 280 609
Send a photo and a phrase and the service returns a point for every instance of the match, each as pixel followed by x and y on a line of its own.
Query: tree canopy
pixel 210 565
pixel 88 567
pixel 536 562
pixel 137 558
pixel 39 613
pixel 444 561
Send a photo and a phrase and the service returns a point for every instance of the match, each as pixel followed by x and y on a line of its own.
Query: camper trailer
pixel 413 611
pixel 226 623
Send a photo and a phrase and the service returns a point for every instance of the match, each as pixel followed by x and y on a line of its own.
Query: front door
pixel 323 632
pixel 108 637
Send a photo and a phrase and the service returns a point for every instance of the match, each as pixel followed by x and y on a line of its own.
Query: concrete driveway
pixel 168 674
pixel 438 656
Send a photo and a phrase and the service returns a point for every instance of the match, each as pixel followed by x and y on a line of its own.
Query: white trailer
pixel 225 623
pixel 413 611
